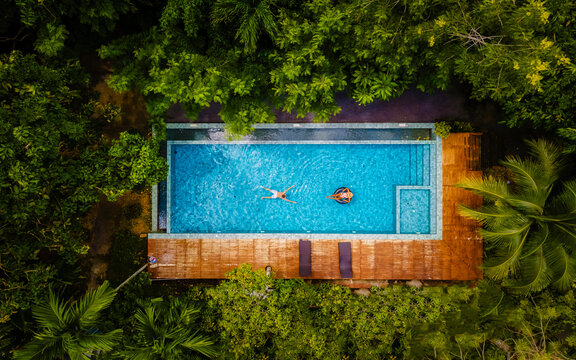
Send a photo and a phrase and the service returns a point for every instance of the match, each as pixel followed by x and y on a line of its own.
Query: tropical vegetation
pixel 250 59
pixel 166 330
pixel 529 222
pixel 71 329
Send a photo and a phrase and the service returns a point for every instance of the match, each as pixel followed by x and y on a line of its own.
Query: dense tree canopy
pixel 54 166
pixel 516 53
pixel 54 25
pixel 257 316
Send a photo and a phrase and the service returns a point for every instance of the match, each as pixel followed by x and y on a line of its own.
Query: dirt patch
pixel 107 218
pixel 107 221
pixel 133 113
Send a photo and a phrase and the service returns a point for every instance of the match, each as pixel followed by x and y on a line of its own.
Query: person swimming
pixel 278 194
pixel 342 195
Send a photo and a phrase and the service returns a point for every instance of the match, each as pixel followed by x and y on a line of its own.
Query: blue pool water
pixel 216 188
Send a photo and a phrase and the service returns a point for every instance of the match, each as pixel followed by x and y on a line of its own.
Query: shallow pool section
pixel 215 189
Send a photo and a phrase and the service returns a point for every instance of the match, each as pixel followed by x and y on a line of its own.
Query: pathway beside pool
pixel 456 257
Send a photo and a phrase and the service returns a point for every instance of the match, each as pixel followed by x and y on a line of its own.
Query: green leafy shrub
pixel 462 126
pixel 442 129
pixel 51 39
pixel 257 316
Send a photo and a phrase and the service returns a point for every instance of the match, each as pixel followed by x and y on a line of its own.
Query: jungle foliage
pixel 69 329
pixel 54 165
pixel 54 27
pixel 529 226
pixel 167 330
pixel 254 316
pixel 251 58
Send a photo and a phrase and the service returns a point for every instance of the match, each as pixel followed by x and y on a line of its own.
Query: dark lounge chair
pixel 305 258
pixel 345 254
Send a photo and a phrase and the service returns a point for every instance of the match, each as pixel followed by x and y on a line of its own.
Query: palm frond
pixel 505 234
pixel 138 353
pixel 562 218
pixel 524 225
pixel 566 234
pixel 527 173
pixel 529 176
pixel 103 341
pixel 201 344
pixel 490 298
pixel 251 17
pixel 516 222
pixel 505 262
pixel 527 204
pixel 88 308
pixel 565 202
pixel 564 267
pixel 186 314
pixel 266 18
pixel 487 213
pixel 536 240
pixel 53 314
pixel 535 274
pixel 489 188
pixel 38 348
pixel 248 32
pixel 167 329
pixel 41 348
pixel 548 155
pixel 226 10
pixel 146 324
pixel 78 354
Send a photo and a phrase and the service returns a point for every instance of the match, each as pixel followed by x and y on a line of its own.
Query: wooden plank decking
pixel 455 257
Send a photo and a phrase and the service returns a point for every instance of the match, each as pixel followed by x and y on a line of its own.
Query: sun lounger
pixel 345 255
pixel 305 258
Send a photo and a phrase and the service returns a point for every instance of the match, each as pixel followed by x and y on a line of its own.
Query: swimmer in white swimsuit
pixel 278 194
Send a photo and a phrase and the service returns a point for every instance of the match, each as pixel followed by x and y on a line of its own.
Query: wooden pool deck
pixel 455 257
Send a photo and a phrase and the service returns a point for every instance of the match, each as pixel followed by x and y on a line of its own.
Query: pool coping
pixel 435 182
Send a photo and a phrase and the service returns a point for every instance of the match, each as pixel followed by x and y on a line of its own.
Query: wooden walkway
pixel 455 257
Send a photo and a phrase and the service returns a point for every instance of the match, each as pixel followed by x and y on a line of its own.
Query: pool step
pixel 426 165
pixel 419 165
pixel 413 164
pixel 419 170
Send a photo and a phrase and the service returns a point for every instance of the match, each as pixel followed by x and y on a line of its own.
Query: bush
pixel 462 126
pixel 442 129
pixel 257 316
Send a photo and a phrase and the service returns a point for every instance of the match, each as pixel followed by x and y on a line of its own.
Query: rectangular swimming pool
pixel 214 184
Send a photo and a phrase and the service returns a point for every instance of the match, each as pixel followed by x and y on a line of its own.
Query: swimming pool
pixel 214 185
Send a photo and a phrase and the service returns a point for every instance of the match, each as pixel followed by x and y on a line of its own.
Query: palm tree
pixel 529 223
pixel 253 16
pixel 68 330
pixel 166 331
